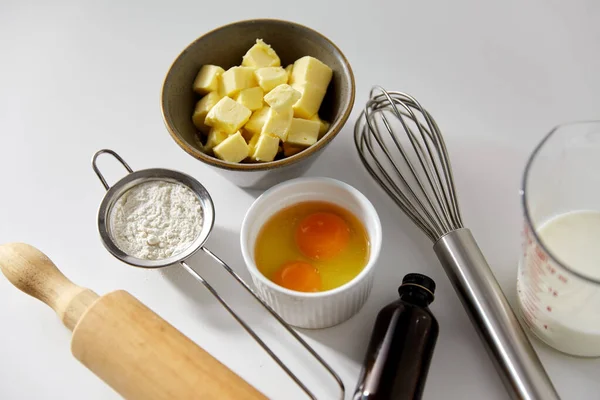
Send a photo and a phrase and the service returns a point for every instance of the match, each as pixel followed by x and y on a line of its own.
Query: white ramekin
pixel 322 309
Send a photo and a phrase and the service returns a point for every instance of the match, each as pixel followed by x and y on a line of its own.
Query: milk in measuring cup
pixel 560 307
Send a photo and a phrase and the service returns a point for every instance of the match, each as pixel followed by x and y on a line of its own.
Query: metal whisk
pixel 417 175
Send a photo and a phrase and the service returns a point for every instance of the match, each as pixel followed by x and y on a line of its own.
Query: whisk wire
pixel 440 154
pixel 424 185
pixel 391 186
pixel 456 214
pixel 422 157
pixel 387 183
pixel 400 115
pixel 435 221
pixel 413 202
pixel 432 171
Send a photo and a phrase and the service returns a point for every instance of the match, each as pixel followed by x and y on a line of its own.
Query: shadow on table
pixel 221 243
pixel 349 339
pixel 254 193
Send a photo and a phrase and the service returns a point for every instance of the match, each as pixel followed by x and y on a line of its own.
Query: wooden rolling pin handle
pixel 32 272
pixel 122 341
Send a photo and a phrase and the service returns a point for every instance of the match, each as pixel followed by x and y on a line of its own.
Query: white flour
pixel 155 220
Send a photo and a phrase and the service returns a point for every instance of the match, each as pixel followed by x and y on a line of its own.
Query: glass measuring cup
pixel 558 282
pixel 132 179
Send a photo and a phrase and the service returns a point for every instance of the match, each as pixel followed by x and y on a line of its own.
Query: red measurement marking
pixel 540 254
pixel 545 326
pixel 562 278
pixel 549 308
pixel 555 293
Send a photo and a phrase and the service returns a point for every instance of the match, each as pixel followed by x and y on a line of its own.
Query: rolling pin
pixel 127 345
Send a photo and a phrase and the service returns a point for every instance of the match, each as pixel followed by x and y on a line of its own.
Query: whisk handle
pixel 481 295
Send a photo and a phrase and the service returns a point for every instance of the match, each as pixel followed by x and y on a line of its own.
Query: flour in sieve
pixel 156 220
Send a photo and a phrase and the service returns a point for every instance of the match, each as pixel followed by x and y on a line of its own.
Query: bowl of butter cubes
pixel 258 100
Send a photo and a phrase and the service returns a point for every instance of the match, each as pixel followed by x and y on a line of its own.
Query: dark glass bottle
pixel 401 346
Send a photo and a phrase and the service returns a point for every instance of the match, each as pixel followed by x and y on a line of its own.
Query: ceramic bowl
pixel 320 309
pixel 225 46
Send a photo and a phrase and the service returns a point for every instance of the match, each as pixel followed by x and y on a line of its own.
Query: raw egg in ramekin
pixel 310 245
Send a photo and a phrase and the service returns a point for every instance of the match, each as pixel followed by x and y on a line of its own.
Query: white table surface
pixel 77 77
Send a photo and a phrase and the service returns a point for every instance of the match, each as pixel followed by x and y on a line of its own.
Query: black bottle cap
pixel 420 282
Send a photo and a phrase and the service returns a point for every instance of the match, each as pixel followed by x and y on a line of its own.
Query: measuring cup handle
pixel 97 170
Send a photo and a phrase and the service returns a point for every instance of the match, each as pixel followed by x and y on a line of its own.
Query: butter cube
pixel 233 149
pixel 270 77
pixel 303 132
pixel 253 141
pixel 291 149
pixel 282 98
pixel 207 79
pixel 278 124
pixel 227 115
pixel 252 98
pixel 261 55
pixel 266 148
pixel 205 104
pixel 235 79
pixel 257 121
pixel 310 70
pixel 310 101
pixel 215 137
pixel 324 125
pixel 289 70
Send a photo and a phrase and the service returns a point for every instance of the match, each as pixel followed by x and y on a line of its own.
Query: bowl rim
pixel 334 129
pixel 375 240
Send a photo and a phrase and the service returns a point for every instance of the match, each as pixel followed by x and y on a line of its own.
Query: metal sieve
pixel 134 178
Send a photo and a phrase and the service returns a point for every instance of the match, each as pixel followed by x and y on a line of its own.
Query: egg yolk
pixel 299 276
pixel 322 235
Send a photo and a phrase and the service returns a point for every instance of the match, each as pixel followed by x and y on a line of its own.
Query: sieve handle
pixel 515 359
pixel 97 170
pixel 32 272
pixel 257 337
